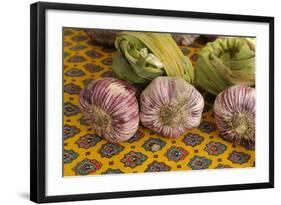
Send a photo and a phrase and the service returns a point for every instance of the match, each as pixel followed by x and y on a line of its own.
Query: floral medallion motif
pixel 192 139
pixel 72 89
pixel 69 156
pixel 74 72
pixel 93 54
pixel 69 131
pixel 157 167
pixel 76 59
pixel 109 149
pixel 207 127
pixel 112 171
pixel 176 153
pixel 153 144
pixel 87 166
pixel 92 68
pixel 215 148
pixel 238 157
pixel 136 137
pixel 78 48
pixel 133 159
pixel 87 141
pixel 70 109
pixel 197 163
pixel 107 61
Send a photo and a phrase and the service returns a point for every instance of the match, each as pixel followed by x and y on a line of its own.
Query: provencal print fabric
pixel 86 153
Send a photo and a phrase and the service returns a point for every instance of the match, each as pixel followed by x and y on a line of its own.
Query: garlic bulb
pixel 234 110
pixel 112 108
pixel 170 106
pixel 184 39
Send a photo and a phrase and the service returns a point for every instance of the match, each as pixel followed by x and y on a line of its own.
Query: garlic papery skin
pixel 111 107
pixel 234 111
pixel 170 106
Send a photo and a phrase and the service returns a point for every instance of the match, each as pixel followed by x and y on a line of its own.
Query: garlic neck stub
pixel 171 115
pixel 243 124
pixel 234 111
pixel 111 107
pixel 170 106
pixel 99 118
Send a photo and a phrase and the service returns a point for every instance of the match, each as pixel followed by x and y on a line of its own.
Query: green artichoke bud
pixel 226 62
pixel 145 56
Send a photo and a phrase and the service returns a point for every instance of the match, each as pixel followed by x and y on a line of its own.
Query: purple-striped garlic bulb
pixel 234 111
pixel 111 107
pixel 170 106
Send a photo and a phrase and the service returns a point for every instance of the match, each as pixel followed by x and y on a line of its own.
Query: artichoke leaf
pixel 150 55
pixel 225 62
pixel 123 70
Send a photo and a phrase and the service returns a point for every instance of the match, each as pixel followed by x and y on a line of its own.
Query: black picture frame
pixel 38 103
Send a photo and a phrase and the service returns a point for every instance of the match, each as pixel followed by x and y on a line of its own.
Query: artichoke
pixel 145 56
pixel 226 62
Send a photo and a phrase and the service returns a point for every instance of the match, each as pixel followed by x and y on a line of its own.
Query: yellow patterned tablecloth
pixel 87 153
